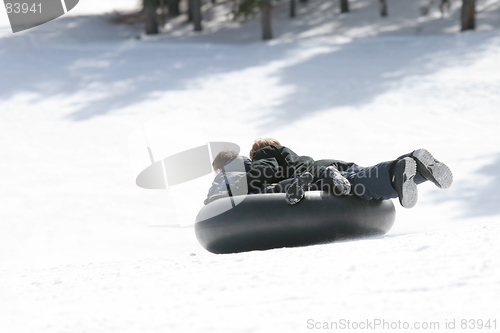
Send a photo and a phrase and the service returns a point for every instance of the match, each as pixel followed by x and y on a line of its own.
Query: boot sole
pixel 433 170
pixel 408 195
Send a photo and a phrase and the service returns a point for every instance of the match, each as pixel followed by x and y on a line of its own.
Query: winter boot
pixel 403 173
pixel 431 169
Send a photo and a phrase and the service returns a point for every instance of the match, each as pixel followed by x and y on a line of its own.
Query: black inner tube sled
pixel 266 221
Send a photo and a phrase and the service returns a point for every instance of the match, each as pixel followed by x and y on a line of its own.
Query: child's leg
pixel 374 182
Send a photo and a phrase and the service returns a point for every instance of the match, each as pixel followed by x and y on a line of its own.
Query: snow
pixel 84 250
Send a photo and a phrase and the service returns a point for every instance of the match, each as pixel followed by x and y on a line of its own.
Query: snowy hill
pixel 83 249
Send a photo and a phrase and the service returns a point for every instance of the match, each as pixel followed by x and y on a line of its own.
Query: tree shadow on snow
pixel 477 197
pixel 116 70
pixel 363 69
pixel 70 56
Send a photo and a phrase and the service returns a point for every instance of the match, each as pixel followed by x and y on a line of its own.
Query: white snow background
pixel 82 249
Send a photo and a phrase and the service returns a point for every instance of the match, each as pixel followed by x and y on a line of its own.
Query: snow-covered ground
pixel 82 249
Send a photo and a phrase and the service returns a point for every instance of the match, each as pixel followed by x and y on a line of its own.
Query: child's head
pixel 262 142
pixel 222 158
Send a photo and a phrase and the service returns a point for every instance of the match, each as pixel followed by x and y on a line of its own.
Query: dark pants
pixel 374 182
pixel 368 183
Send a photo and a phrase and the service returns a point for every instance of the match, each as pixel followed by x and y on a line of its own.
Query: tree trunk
pixel 468 15
pixel 151 18
pixel 190 10
pixel 383 8
pixel 344 6
pixel 266 8
pixel 303 1
pixel 173 8
pixel 197 14
pixel 163 17
pixel 293 5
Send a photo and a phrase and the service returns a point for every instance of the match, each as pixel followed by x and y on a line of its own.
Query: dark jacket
pixel 235 169
pixel 274 163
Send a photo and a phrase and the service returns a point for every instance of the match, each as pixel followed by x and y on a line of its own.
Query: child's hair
pixel 222 158
pixel 262 142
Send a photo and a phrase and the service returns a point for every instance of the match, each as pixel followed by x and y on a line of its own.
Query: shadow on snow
pixel 477 196
pixel 119 73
